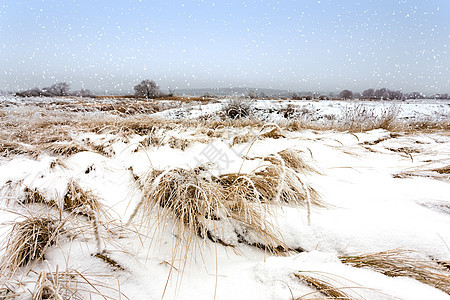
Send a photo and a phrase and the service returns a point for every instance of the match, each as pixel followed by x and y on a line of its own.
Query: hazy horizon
pixel 320 46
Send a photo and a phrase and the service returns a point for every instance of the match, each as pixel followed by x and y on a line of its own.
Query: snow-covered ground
pixel 271 110
pixel 381 189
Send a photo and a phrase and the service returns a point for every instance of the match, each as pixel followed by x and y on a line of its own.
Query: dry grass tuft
pixel 81 201
pixel 359 118
pixel 72 284
pixel 154 139
pixel 9 148
pixel 34 196
pixel 272 184
pixel 443 170
pixel 399 263
pixel 57 163
pixel 244 138
pixel 28 241
pixel 84 202
pixel 237 109
pixel 178 143
pixel 274 133
pixel 201 205
pixel 323 287
pixel 442 173
pixel 239 204
pixel 20 193
pixel 62 148
pixel 294 161
pixel 191 198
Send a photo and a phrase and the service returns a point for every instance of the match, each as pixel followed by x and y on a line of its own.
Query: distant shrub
pixel 84 93
pixel 238 108
pixel 289 111
pixel 34 92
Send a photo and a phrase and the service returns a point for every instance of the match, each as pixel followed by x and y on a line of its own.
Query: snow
pixel 368 210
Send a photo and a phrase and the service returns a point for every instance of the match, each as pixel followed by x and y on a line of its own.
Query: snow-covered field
pixel 357 192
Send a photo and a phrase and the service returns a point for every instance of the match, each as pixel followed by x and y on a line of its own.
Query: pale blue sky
pixel 298 45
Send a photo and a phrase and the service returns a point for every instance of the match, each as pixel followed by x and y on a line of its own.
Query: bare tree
pixel 252 94
pixel 381 93
pixel 147 88
pixel 57 89
pixel 84 93
pixel 395 95
pixel 346 94
pixel 294 96
pixel 415 95
pixel 369 93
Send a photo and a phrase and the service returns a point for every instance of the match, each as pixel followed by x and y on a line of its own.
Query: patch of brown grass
pixel 72 284
pixel 403 263
pixel 244 138
pixel 197 203
pixel 294 161
pixel 63 148
pixel 178 143
pixel 442 173
pixel 274 133
pixel 327 289
pixel 32 195
pixel 80 201
pixel 273 184
pixel 154 139
pixel 203 205
pixel 28 240
pixel 85 203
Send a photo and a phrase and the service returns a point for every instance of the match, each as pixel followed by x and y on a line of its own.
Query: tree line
pixel 145 89
pixel 386 94
pixel 56 90
pixel 149 89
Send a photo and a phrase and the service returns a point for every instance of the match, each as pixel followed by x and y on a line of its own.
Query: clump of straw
pixel 28 241
pixel 273 184
pixel 294 161
pixel 323 287
pixel 34 196
pixel 84 202
pixel 81 201
pixel 198 203
pixel 71 284
pixel 396 263
pixel 63 148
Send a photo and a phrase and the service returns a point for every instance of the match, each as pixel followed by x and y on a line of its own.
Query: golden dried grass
pixel 294 161
pixel 403 263
pixel 72 284
pixel 29 240
pixel 272 184
pixel 154 139
pixel 178 143
pixel 442 173
pixel 327 289
pixel 195 201
pixel 33 195
pixel 81 201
